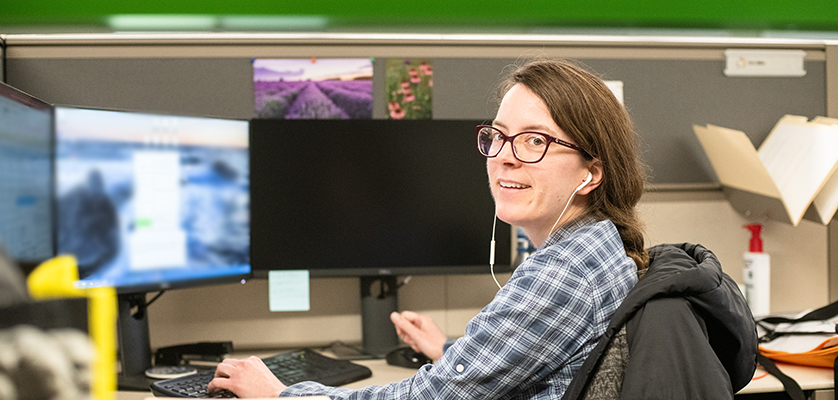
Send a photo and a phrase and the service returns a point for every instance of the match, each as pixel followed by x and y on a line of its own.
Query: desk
pixel 819 380
pixel 809 378
pixel 382 373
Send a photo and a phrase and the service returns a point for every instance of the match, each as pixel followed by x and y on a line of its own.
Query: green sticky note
pixel 288 290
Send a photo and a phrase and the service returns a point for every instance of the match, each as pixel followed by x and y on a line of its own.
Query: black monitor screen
pixel 148 201
pixel 25 176
pixel 371 197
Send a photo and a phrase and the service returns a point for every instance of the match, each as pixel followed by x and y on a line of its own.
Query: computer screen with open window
pixel 147 202
pixel 150 201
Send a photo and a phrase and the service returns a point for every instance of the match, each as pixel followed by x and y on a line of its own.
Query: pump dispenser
pixel 757 274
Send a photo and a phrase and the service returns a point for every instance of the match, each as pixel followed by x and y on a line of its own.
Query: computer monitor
pixel 25 177
pixel 374 199
pixel 148 202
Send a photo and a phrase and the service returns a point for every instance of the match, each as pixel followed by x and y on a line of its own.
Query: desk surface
pixel 809 378
pixel 382 373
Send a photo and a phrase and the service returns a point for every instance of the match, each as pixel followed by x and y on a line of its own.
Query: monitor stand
pixel 134 343
pixel 378 300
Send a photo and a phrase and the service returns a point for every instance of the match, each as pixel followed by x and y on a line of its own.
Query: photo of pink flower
pixel 396 111
pixel 312 88
pixel 426 68
pixel 409 84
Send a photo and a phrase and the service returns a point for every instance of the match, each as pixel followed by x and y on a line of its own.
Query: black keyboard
pixel 289 366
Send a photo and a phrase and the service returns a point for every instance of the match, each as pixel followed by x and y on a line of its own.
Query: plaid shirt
pixel 534 335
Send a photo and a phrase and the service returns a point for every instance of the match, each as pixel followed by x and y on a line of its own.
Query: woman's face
pixel 532 196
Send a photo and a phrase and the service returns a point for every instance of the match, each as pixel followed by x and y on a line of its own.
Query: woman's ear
pixel 595 169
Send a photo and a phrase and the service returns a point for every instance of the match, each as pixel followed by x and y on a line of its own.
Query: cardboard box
pixel 790 177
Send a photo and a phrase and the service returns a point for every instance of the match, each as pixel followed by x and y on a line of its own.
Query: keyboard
pixel 290 367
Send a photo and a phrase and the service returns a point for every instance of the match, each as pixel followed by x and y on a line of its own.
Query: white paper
pixel 616 88
pixel 800 158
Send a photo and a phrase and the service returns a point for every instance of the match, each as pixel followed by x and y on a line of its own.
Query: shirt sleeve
pixel 448 344
pixel 535 326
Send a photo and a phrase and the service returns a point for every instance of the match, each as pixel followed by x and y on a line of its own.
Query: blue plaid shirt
pixel 534 335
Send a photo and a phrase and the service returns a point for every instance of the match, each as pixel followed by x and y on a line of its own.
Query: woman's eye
pixel 536 141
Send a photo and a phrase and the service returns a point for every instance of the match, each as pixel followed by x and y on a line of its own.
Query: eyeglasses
pixel 527 147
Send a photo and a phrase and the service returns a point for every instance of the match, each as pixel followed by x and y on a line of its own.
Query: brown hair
pixel 589 113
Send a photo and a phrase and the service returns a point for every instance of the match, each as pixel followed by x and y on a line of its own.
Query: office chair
pixel 683 332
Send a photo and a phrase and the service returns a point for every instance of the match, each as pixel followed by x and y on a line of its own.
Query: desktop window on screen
pixel 150 201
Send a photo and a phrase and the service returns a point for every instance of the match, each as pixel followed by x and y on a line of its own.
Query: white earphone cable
pixel 492 249
pixel 563 210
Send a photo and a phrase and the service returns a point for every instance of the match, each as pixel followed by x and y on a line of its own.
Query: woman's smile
pixel 512 185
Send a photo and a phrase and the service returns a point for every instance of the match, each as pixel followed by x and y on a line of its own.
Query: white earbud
pixel 587 181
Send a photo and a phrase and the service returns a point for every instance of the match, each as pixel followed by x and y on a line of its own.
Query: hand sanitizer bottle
pixel 757 274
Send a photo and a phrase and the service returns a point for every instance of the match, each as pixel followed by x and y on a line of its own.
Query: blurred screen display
pixel 25 176
pixel 147 200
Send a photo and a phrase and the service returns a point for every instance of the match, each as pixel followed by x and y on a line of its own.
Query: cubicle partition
pixel 2 59
pixel 669 84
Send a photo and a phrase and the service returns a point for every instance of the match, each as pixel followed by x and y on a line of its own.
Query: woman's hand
pixel 246 378
pixel 420 332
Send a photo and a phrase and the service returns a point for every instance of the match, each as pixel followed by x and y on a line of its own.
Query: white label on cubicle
pixel 764 63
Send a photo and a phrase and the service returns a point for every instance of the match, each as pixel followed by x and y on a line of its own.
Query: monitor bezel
pixel 505 237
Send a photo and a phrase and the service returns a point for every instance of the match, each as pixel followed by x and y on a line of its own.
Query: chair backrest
pixel 607 380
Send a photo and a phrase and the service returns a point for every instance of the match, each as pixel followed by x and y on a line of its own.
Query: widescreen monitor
pixel 152 201
pixel 375 199
pixel 372 197
pixel 149 202
pixel 25 177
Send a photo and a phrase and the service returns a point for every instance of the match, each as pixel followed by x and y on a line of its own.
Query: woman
pixel 563 164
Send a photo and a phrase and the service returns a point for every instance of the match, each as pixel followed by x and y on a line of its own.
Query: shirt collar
pixel 565 230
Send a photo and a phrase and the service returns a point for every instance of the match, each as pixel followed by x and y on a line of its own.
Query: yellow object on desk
pixel 55 279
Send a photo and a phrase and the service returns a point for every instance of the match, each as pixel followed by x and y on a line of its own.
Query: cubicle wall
pixel 669 85
pixel 2 59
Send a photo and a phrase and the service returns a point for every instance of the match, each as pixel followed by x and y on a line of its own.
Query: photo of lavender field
pixel 312 88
